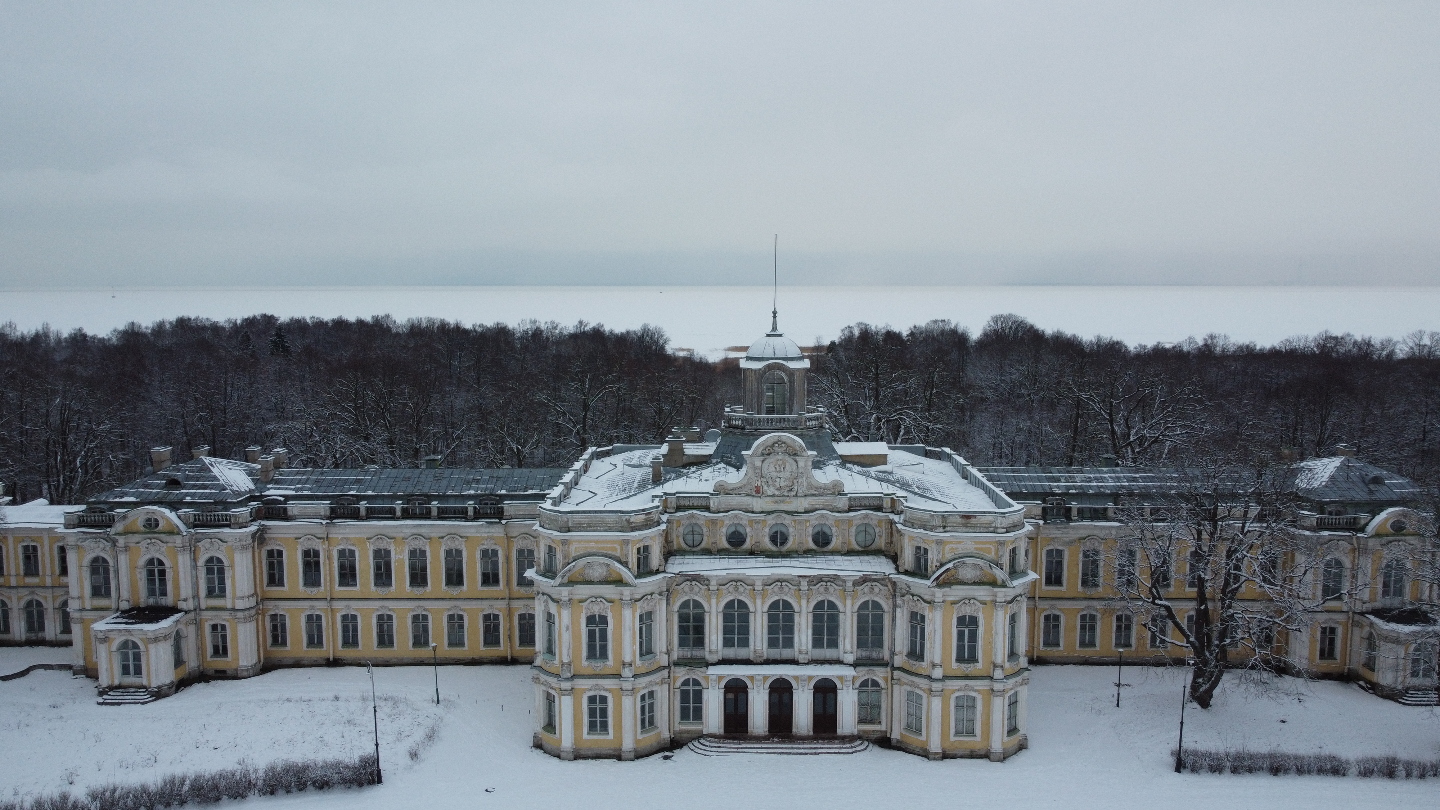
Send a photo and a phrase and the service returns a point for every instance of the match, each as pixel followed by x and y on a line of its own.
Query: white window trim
pixel 609 716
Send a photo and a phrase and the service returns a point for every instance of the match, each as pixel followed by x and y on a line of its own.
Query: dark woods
pixel 78 412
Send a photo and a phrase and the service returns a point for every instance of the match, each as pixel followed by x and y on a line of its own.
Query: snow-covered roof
pixel 774 346
pixel 802 565
pixel 861 448
pixel 1342 478
pixel 150 617
pixel 39 514
pixel 793 670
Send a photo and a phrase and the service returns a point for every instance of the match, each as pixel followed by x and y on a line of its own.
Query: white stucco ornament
pixel 779 466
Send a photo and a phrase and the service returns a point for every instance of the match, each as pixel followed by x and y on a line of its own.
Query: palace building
pixel 757 580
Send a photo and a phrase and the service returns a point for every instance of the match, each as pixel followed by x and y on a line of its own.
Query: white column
pixel 627 636
pixel 664 693
pixel 802 625
pixel 847 705
pixel 123 576
pixel 934 722
pixel 564 642
pixel 712 622
pixel 804 708
pixel 997 725
pixel 759 708
pixel 714 720
pixel 627 722
pixel 567 723
pixel 897 710
pixel 847 624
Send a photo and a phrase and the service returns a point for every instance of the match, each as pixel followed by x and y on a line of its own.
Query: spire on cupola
pixel 775 290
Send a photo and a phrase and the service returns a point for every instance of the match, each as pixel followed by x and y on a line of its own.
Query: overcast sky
pixel 1007 142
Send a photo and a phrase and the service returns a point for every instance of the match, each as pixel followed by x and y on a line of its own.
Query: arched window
pixel 735 625
pixel 735 535
pixel 157 581
pixel 214 578
pixel 62 614
pixel 966 710
pixel 693 535
pixel 1392 580
pixel 34 617
pixel 4 618
pixel 692 701
pixel 776 389
pixel 99 578
pixel 597 637
pixel 967 639
pixel 420 631
pixel 131 661
pixel 870 630
pixel 1332 578
pixel 417 568
pixel 825 626
pixel 690 628
pixel 1422 661
pixel 871 701
pixel 780 626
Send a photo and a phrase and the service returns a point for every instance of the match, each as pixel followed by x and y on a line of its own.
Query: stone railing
pixel 89 520
pixel 791 421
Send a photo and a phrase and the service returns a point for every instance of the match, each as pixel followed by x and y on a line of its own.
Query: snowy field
pixel 728 316
pixel 1084 752
pixel 14 659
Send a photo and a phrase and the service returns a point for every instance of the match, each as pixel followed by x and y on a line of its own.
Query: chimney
pixel 1109 460
pixel 692 434
pixel 281 456
pixel 1345 450
pixel 267 469
pixel 159 458
pixel 201 452
pixel 430 462
pixel 656 473
pixel 674 451
pixel 252 455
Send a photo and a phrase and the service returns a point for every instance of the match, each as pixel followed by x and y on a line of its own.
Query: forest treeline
pixel 79 412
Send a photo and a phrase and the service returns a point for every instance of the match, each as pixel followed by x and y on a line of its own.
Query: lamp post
pixel 1119 676
pixel 375 715
pixel 435 663
pixel 1180 746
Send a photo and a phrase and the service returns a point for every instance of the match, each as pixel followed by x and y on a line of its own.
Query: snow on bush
pixel 1280 763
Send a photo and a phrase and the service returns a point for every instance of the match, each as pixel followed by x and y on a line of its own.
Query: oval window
pixel 1398 526
pixel 150 523
pixel 692 535
pixel 864 535
pixel 779 536
pixel 822 536
pixel 735 536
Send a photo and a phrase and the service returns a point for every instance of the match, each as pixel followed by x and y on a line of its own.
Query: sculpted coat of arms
pixel 779 465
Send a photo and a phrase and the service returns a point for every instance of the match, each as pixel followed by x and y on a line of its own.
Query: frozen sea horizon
pixel 710 319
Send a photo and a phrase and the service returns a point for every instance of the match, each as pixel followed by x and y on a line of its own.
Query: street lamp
pixel 1180 746
pixel 375 715
pixel 435 663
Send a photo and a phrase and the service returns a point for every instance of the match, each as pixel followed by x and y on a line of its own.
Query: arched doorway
pixel 737 707
pixel 826 716
pixel 782 707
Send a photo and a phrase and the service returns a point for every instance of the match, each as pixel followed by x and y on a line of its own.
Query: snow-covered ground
pixel 14 659
pixel 1084 752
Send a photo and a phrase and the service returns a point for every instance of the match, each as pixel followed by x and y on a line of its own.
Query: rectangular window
pixel 1013 639
pixel 1054 567
pixel 967 639
pixel 1050 630
pixel 1329 643
pixel 870 704
pixel 1124 631
pixel 525 630
pixel 349 631
pixel 30 560
pixel 384 631
pixel 597 638
pixel 2 561
pixel 597 715
pixel 1089 635
pixel 550 634
pixel 274 567
pixel 1090 568
pixel 314 631
pixel 347 568
pixel 455 630
pixel 279 630
pixel 62 562
pixel 1161 575
pixel 382 568
pixel 420 631
pixel 310 568
pixel 489 567
pixel 1422 661
pixel 219 640
pixel 490 630
pixel 454 568
pixel 647 634
pixel 549 713
pixel 1125 564
pixel 1194 570
pixel 177 649
pixel 647 711
pixel 1156 640
pixel 550 566
pixel 966 712
pixel 1012 713
pixel 524 561
pixel 916 649
pixel 914 712
pixel 417 567
pixel 642 560
pixel 692 701
pixel 1372 651
pixel 922 561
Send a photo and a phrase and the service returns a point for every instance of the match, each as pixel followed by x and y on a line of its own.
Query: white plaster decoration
pixel 452 541
pixel 969 607
pixel 688 589
pixel 594 571
pixel 779 465
pixel 596 607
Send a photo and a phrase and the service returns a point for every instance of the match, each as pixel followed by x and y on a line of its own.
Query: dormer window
pixel 172 483
pixel 776 389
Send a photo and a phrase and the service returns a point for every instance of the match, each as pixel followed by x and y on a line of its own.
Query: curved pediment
pixel 1398 520
pixel 149 520
pixel 779 466
pixel 594 570
pixel 971 570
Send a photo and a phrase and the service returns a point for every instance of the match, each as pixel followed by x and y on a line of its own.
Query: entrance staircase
pixel 126 697
pixel 727 746
pixel 1420 697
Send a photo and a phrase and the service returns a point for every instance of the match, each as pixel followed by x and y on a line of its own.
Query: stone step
pixel 725 746
pixel 125 697
pixel 1420 697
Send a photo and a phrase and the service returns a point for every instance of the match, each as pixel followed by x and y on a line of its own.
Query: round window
pixel 692 535
pixel 821 536
pixel 150 523
pixel 864 535
pixel 1398 526
pixel 735 535
pixel 779 536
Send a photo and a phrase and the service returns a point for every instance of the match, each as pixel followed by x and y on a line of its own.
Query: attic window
pixel 172 483
pixel 150 523
pixel 1376 480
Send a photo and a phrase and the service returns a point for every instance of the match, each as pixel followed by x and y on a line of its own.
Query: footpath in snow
pixel 1084 752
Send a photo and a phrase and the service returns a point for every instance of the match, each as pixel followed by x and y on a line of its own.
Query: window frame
pixel 597 714
pixel 914 713
pixel 967 639
pixel 420 625
pixel 275 567
pixel 382 568
pixel 490 576
pixel 964 718
pixel 347 567
pixel 457 635
pixel 277 640
pixel 1087 631
pixel 1054 568
pixel 312 569
pixel 102 577
pixel 1052 630
pixel 453 567
pixel 646 707
pixel 915 638
pixel 349 630
pixel 314 626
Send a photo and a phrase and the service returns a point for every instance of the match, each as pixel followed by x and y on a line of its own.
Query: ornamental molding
pixel 825 588
pixel 308 541
pixel 415 540
pixel 596 607
pixel 690 588
pixel 779 465
pixel 452 541
pixel 650 602
pixel 524 541
pixel 151 547
pixel 212 545
pixel 594 571
pixel 969 607
pixel 381 541
pixel 873 590
pixel 738 589
pixel 96 546
pixel 780 589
